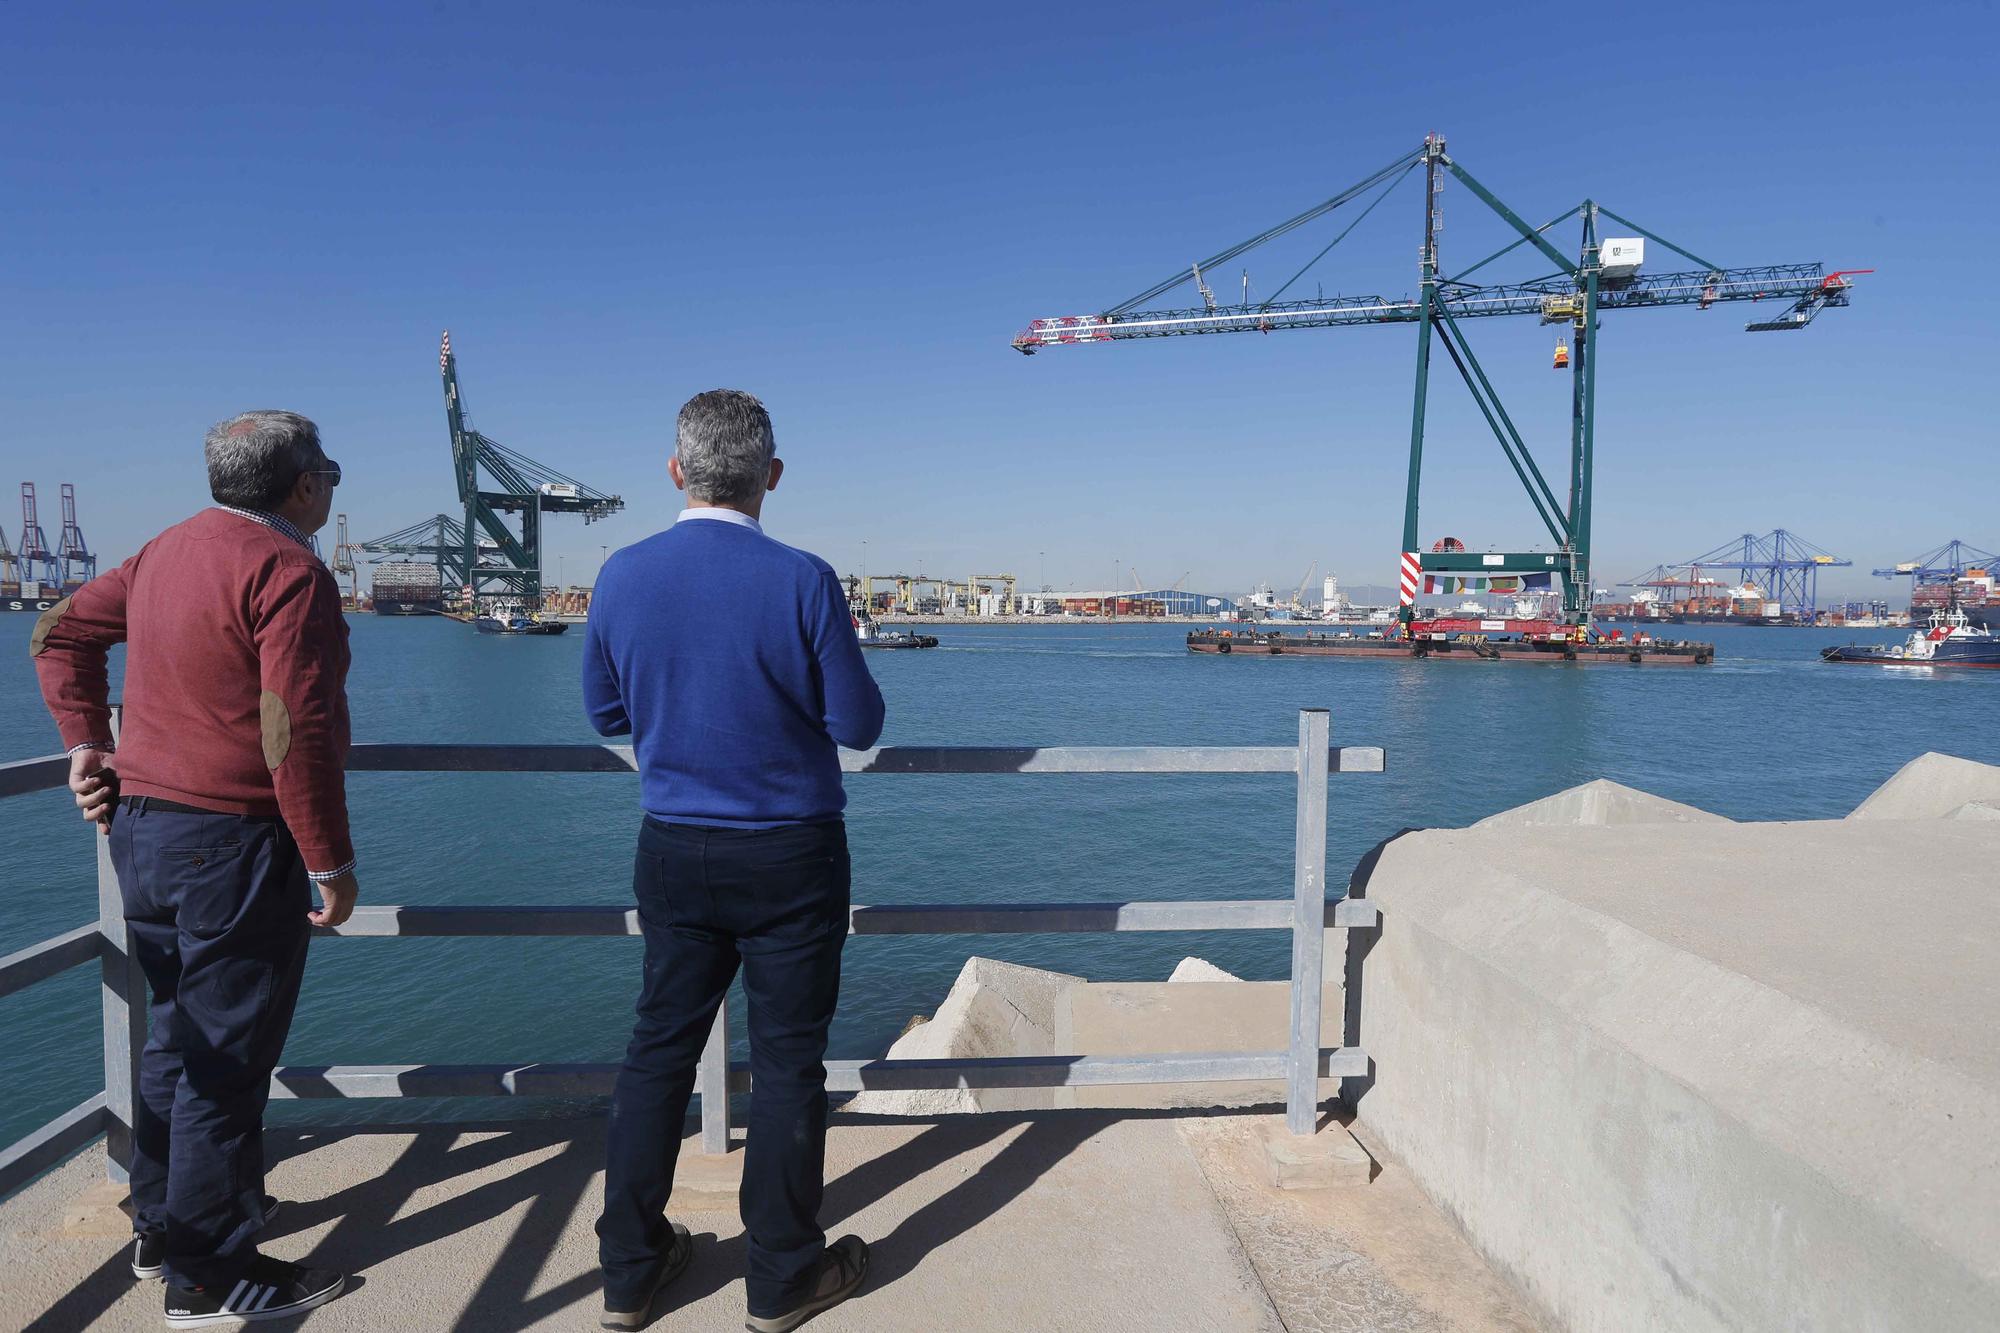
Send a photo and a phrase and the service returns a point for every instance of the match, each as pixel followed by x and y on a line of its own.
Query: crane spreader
pixel 1607 275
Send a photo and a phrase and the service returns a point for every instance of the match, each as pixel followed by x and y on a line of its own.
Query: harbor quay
pixel 1603 1061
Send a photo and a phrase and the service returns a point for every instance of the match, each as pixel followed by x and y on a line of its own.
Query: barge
pixel 1457 640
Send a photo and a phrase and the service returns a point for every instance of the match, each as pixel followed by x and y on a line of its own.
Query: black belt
pixel 176 808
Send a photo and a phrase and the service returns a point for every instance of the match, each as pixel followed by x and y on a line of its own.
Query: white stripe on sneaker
pixel 269 1292
pixel 229 1301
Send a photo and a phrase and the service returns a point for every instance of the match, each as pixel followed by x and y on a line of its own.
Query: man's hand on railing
pixel 338 897
pixel 94 783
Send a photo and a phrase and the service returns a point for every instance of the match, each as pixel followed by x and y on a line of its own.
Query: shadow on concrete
pixel 85 1303
pixel 374 1220
pixel 1009 1174
pixel 542 1173
pixel 1359 942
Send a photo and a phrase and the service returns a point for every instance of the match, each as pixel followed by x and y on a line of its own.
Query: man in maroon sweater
pixel 225 803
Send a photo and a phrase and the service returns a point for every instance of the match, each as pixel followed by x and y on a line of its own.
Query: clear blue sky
pixel 849 209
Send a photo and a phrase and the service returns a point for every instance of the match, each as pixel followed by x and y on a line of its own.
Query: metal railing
pixel 1307 913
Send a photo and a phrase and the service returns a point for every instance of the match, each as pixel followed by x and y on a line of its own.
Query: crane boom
pixel 1807 287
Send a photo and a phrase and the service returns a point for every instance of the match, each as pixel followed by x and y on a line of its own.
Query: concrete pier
pixel 1079 1221
pixel 1700 1075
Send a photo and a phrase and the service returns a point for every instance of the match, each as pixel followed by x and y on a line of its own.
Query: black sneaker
pixel 841 1270
pixel 679 1250
pixel 149 1246
pixel 270 1289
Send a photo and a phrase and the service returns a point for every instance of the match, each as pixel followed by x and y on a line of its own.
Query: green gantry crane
pixel 511 566
pixel 1606 275
pixel 440 539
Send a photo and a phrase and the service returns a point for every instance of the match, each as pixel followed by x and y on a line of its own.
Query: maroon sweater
pixel 235 676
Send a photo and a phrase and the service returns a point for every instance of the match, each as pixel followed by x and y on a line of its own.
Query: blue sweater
pixel 732 661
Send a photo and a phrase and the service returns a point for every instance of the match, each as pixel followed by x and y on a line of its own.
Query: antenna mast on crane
pixel 1576 294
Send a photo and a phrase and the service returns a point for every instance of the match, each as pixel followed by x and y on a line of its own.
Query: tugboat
pixel 1951 640
pixel 871 635
pixel 510 618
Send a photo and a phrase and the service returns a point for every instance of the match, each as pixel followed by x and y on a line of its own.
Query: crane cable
pixel 1317 210
pixel 1398 180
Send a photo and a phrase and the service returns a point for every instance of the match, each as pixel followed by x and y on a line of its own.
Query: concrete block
pixel 993 1009
pixel 104 1209
pixel 1183 1017
pixel 1601 802
pixel 1313 1161
pixel 1200 969
pixel 1931 786
pixel 1711 1077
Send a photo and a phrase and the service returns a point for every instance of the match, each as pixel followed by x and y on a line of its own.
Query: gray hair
pixel 255 458
pixel 724 442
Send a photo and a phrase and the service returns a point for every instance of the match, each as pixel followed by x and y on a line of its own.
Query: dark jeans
pixel 775 899
pixel 217 905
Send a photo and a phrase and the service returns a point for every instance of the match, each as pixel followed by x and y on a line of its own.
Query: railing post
pixel 123 988
pixel 714 1084
pixel 1308 925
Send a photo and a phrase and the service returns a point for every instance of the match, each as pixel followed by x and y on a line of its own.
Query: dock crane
pixel 513 566
pixel 1783 564
pixel 1947 564
pixel 1005 582
pixel 440 538
pixel 1605 276
pixel 10 569
pixel 1299 593
pixel 79 562
pixel 37 561
pixel 343 560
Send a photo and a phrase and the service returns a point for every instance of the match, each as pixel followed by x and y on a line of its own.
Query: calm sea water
pixel 1768 732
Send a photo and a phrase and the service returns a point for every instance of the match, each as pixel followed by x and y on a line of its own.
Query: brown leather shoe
pixel 841 1270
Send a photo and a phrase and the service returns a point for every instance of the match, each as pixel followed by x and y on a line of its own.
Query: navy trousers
pixel 217 906
pixel 774 900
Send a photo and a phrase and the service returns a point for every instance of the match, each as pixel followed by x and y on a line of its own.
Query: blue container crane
pixel 38 562
pixel 79 562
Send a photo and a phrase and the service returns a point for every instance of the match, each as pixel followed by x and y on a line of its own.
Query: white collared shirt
pixel 276 522
pixel 721 515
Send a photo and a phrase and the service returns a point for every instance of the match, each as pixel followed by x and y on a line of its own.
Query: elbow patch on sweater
pixel 274 721
pixel 45 625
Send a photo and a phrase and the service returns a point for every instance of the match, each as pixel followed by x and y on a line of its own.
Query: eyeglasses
pixel 332 469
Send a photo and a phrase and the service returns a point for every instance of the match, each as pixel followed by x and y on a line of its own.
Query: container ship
pixel 29 596
pixel 1973 593
pixel 408 589
pixel 1698 602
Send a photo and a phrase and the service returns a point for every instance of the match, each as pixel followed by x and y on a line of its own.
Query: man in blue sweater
pixel 732 661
